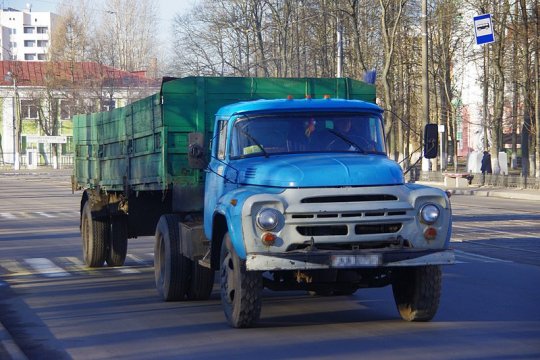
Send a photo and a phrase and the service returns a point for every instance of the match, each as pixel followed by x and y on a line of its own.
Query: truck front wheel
pixel 417 291
pixel 171 268
pixel 95 235
pixel 241 290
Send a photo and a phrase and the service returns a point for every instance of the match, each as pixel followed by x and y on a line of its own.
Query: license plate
pixel 346 261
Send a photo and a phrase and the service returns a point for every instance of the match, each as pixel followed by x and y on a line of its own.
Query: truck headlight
pixel 429 213
pixel 269 219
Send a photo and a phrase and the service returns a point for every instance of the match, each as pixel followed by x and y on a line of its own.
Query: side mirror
pixel 196 153
pixel 431 141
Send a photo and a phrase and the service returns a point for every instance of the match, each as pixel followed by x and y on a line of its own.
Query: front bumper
pixel 358 259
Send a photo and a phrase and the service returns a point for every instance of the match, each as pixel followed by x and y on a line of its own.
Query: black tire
pixel 241 290
pixel 202 282
pixel 95 236
pixel 118 242
pixel 171 268
pixel 417 291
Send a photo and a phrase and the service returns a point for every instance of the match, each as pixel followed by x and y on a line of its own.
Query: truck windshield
pixel 264 135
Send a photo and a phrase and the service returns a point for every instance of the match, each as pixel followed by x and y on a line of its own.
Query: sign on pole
pixel 46 139
pixel 483 28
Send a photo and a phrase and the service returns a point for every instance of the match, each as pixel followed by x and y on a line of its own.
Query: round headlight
pixel 268 219
pixel 429 213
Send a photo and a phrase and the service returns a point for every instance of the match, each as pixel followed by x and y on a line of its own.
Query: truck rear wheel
pixel 417 291
pixel 202 282
pixel 117 251
pixel 95 234
pixel 241 290
pixel 171 268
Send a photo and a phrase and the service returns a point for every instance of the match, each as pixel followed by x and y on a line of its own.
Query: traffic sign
pixel 483 28
pixel 46 139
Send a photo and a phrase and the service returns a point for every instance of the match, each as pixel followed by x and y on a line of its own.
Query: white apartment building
pixel 25 35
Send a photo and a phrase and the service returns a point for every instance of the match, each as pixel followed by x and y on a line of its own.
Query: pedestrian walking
pixel 486 166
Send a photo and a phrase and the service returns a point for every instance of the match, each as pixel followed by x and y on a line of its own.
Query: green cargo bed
pixel 143 146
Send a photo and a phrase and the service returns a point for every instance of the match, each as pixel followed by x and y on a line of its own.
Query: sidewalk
pixel 489 191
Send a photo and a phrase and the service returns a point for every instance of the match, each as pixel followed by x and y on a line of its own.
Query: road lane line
pixel 8 216
pixel 126 270
pixel 479 257
pixel 137 259
pixel 46 267
pixel 45 214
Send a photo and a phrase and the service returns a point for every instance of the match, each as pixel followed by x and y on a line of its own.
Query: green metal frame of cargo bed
pixel 143 145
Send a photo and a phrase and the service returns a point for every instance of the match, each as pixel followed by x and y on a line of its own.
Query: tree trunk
pixel 537 87
pixel 525 165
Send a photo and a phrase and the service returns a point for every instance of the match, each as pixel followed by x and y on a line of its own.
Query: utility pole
pixel 425 83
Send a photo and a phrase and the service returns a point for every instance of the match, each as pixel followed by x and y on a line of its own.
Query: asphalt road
pixel 55 308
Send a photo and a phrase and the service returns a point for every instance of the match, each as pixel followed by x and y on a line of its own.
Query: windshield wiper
pixel 347 140
pixel 258 144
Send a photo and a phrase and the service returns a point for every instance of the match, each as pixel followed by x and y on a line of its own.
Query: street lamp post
pixel 16 121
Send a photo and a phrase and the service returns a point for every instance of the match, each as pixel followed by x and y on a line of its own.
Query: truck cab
pixel 300 194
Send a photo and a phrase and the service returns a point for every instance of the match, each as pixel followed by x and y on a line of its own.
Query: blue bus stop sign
pixel 483 28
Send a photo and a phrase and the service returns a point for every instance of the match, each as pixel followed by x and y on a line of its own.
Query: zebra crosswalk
pixel 25 215
pixel 63 267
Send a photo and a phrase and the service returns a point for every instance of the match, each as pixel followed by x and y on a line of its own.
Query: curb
pixel 9 349
pixel 519 194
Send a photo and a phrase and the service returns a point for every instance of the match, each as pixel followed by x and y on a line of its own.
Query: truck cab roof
pixel 290 105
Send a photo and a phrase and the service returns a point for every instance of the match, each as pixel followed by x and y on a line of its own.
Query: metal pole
pixel 16 126
pixel 425 81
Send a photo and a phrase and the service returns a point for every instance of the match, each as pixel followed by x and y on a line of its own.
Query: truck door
pixel 214 184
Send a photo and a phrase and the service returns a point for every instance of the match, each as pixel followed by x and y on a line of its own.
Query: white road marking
pixel 14 268
pixel 137 259
pixel 45 214
pixel 479 257
pixel 46 267
pixel 126 270
pixel 9 216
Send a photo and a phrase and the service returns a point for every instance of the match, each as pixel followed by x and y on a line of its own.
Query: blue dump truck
pixel 282 184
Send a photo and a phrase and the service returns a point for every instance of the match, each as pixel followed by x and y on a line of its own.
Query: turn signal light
pixel 268 239
pixel 430 233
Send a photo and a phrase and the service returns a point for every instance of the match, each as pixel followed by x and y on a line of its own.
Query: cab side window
pixel 222 139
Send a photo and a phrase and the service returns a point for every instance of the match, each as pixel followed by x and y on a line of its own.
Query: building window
pixel 13 45
pixel 29 29
pixel 67 148
pixel 67 109
pixel 42 30
pixel 42 43
pixel 29 43
pixel 108 105
pixel 42 56
pixel 29 109
pixel 13 57
pixel 29 56
pixel 13 31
